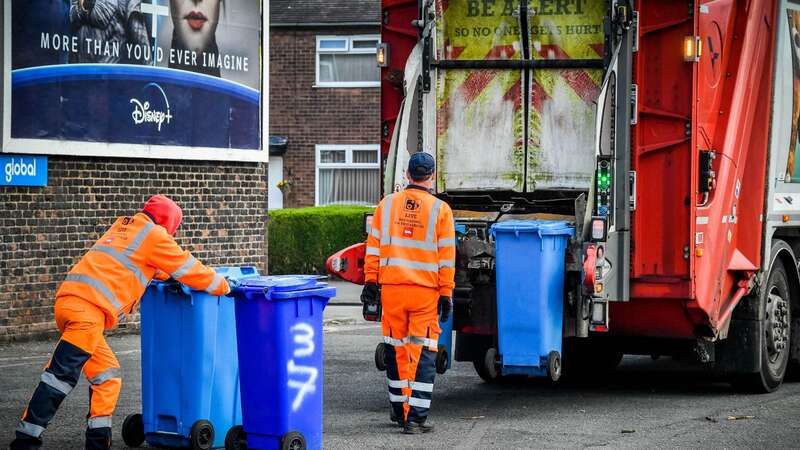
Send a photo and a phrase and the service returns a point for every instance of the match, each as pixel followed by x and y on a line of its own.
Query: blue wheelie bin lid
pixel 284 287
pixel 541 227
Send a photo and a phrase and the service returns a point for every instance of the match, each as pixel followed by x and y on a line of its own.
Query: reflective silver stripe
pixel 432 220
pixel 386 213
pixel 97 285
pixel 124 260
pixel 412 243
pixel 428 267
pixel 421 387
pixel 394 342
pixel 423 341
pixel 99 422
pixel 373 251
pixel 214 283
pixel 397 398
pixel 449 242
pixel 398 384
pixel 139 238
pixel 30 429
pixel 51 380
pixel 375 233
pixel 184 268
pixel 419 403
pixel 447 263
pixel 106 375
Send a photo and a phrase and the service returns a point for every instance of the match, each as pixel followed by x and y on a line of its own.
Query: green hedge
pixel 301 240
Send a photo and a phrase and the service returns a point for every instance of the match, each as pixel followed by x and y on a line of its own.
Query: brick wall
pixel 46 230
pixel 310 115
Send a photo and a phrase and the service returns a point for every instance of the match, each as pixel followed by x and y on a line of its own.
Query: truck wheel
pixel 380 357
pixel 776 305
pixel 236 439
pixel 554 366
pixel 201 435
pixel 441 360
pixel 487 367
pixel 133 431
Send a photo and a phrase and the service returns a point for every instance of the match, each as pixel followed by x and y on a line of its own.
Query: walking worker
pixel 410 268
pixel 101 288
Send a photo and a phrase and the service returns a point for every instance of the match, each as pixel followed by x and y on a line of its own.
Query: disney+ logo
pixel 146 113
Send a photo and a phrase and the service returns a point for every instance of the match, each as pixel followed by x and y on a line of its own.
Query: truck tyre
pixel 776 307
pixel 486 367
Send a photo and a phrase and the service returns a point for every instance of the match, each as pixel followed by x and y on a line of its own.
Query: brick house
pixel 324 102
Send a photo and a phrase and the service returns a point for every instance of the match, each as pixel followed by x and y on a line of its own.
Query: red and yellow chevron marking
pixel 475 30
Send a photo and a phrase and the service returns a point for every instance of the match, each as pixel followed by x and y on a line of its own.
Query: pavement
pixel 644 404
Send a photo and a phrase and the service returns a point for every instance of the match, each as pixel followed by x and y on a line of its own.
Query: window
pixel 347 61
pixel 348 175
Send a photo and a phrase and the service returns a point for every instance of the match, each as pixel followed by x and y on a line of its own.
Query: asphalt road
pixel 644 404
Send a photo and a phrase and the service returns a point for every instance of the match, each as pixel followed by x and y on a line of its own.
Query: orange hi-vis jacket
pixel 412 242
pixel 115 272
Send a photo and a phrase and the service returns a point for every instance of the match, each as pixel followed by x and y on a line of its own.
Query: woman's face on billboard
pixel 195 22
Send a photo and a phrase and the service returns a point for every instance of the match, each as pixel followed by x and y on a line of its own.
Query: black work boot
pixel 25 442
pixel 98 438
pixel 416 428
pixel 393 417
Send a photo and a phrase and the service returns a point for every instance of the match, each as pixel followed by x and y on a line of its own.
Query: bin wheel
pixel 236 439
pixel 487 367
pixel 441 360
pixel 201 435
pixel 133 431
pixel 380 357
pixel 293 441
pixel 554 366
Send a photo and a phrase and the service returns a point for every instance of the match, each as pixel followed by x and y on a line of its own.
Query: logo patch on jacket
pixel 412 205
pixel 408 231
pixel 108 240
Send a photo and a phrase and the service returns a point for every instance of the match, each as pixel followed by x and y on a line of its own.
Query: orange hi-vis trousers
pixel 411 332
pixel 82 347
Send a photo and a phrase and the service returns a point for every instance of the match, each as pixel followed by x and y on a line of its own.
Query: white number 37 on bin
pixel 302 378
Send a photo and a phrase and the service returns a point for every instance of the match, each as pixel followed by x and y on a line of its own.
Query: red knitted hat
pixel 165 212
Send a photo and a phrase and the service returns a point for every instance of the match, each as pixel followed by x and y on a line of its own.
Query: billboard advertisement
pixel 142 78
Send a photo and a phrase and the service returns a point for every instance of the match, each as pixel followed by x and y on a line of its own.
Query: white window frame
pixel 347 50
pixel 347 164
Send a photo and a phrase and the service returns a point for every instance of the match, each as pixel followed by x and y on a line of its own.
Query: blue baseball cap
pixel 421 165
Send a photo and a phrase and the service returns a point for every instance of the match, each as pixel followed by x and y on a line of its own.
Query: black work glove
pixel 234 284
pixel 370 293
pixel 445 307
pixel 371 299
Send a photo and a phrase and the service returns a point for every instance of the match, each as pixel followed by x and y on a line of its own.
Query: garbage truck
pixel 663 133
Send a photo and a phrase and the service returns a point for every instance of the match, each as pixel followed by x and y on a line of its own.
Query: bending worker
pixel 101 288
pixel 409 268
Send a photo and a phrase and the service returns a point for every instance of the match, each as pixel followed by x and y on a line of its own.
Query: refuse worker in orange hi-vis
pixel 409 268
pixel 101 288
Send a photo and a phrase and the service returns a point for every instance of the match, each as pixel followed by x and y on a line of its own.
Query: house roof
pixel 324 12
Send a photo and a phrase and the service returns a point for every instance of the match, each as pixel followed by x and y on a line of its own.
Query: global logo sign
pixel 21 170
pixel 156 113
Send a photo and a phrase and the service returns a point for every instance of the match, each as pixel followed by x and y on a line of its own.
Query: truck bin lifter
pixel 101 288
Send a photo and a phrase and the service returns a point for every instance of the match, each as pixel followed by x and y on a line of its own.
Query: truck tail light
pixel 382 54
pixel 692 48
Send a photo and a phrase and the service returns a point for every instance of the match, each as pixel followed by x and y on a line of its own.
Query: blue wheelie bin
pixel 279 331
pixel 530 295
pixel 444 357
pixel 190 371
